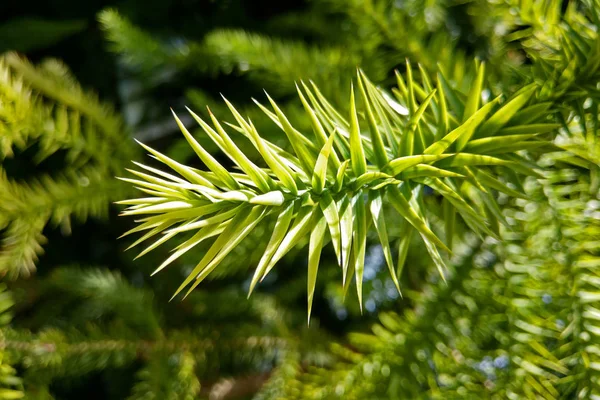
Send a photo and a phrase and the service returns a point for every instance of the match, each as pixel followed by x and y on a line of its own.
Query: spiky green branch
pixel 333 182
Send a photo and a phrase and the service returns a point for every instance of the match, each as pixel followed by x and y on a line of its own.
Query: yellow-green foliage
pixel 44 106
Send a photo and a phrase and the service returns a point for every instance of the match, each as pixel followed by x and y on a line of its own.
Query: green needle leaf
pixel 376 208
pixel 283 173
pixel 424 170
pixel 330 211
pixel 378 148
pixel 298 141
pixel 274 198
pixel 408 212
pixel 320 173
pixel 234 227
pixel 339 177
pixel 491 144
pixel 359 164
pixel 314 255
pixel 463 133
pixel 181 169
pixel 474 96
pixel 466 159
pixel 360 243
pixel 258 176
pixel 406 233
pixel 501 117
pixel 530 114
pixel 255 216
pixel 527 129
pixel 222 174
pixel 400 164
pixel 450 94
pixel 281 228
pixel 443 124
pixel 301 227
pixel 199 237
pixel 346 228
pixel 220 217
pixel 488 180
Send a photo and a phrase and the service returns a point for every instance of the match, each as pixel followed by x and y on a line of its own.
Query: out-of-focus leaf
pixel 32 33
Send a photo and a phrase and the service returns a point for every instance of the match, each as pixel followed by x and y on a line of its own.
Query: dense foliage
pixel 448 151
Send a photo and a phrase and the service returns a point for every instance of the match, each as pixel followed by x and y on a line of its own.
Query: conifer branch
pixel 335 180
pixel 45 105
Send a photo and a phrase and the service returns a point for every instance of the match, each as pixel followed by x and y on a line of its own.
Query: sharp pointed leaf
pixel 400 164
pixel 233 228
pixel 501 117
pixel 376 139
pixel 360 243
pixel 320 173
pixel 376 209
pixel 281 228
pixel 302 225
pixel 314 255
pixel 408 212
pixel 222 174
pixel 359 164
pixel 463 133
pixel 345 207
pixel 330 211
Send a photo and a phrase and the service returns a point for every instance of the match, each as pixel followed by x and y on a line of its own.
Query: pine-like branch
pixel 62 113
pixel 26 208
pixel 267 60
pixel 335 180
pixel 45 105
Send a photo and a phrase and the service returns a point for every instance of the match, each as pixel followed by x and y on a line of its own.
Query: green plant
pixel 472 186
pixel 91 320
pixel 46 106
pixel 337 180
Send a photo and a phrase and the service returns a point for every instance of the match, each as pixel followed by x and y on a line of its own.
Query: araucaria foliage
pixel 441 157
pixel 335 181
